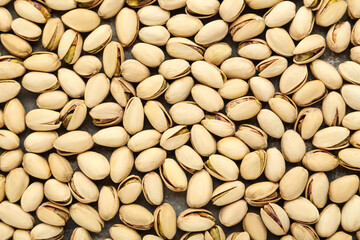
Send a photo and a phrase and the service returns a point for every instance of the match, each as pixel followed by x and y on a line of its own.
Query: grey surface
pixel 177 200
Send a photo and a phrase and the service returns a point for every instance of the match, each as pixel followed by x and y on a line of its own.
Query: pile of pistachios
pixel 267 132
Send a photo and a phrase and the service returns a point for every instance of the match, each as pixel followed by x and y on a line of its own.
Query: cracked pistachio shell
pixel 293 78
pixel 42 120
pixel 310 93
pixel 11 67
pixel 16 183
pixel 302 231
pixel 35 11
pixel 218 124
pixel 149 55
pixel 86 217
pixel 134 71
pixel 230 10
pixel 270 123
pixel 39 82
pixel 186 113
pixel 254 49
pixel 133 119
pixel 227 193
pixel 208 74
pixel 327 73
pixel 183 48
pixel 232 147
pixel 10 159
pixel 280 41
pixel 179 90
pixel 302 210
pixel 207 98
pixel 70 46
pixel 246 26
pixel 71 83
pixel 127 26
pixel 238 67
pixel 152 87
pixel 173 176
pixel 83 189
pixel 113 57
pixel 6 232
pixel 118 231
pixel 80 233
pixel 87 66
pixel 202 140
pixel 243 108
pixel 152 188
pixel 331 138
pixel 222 168
pixel 338 37
pixel 13 215
pixel 36 166
pixel 200 189
pixel 8 140
pixel 96 90
pixel 309 49
pixel 16 45
pixel 195 220
pixel 202 8
pixel 275 219
pixel 272 66
pixel 109 8
pixel 234 88
pixel 81 20
pixel 353 9
pixel 262 88
pixel 129 189
pixel 253 165
pixel 53 100
pixel 5 20
pixel 165 221
pixel 8 90
pixel 340 235
pixel 317 189
pixel 211 32
pixel 57 192
pixel 280 14
pixel 350 93
pixel 313 4
pixel 183 25
pixel 293 183
pixel 261 193
pixel 115 136
pixel 121 164
pixel 136 216
pixel 73 114
pixel 217 53
pixel 53 214
pixel 292 146
pixel 94 165
pixel 153 15
pixel 348 158
pixel 143 140
pixel 275 165
pixel 139 3
pixel 98 39
pixel 352 120
pixel 60 167
pixel 343 188
pixel 238 236
pixel 26 29
pixel 174 68
pixel 73 142
pixel 106 114
pixel 150 159
pixel 155 35
pixel 334 109
pixel 188 159
pixel 40 142
pixel 157 116
pixel 108 203
pixel 302 24
pixel 349 71
pixel 308 122
pixel 252 136
pixel 52 32
pixel 330 12
pixel 121 90
pixel 253 224
pixel 215 232
pixel 319 160
pixel 350 220
pixel 14 116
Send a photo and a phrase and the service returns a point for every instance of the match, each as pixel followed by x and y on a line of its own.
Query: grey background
pixel 177 200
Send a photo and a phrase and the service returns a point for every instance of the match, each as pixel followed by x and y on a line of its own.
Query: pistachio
pixel 253 224
pixel 184 48
pixel 136 217
pixel 60 167
pixel 350 220
pixel 227 193
pixel 98 39
pixel 152 87
pixel 301 210
pixel 202 95
pixel 310 93
pixel 6 231
pixel 189 159
pixel 246 26
pixel 200 189
pixel 293 183
pixel 354 54
pixel 96 90
pixel 317 189
pixel 272 66
pixel 192 236
pixel 292 146
pixel 73 142
pixel 340 235
pixel 14 116
pixel 218 124
pixel 202 9
pixel 9 89
pixel 53 214
pixel 40 142
pixel 259 4
pixel 253 165
pixel 155 35
pixel 333 108
pixel 8 140
pixel 73 114
pixel 183 25
pixel 80 233
pixel 53 100
pixel 348 70
pixel 87 66
pixel 121 164
pixel 320 160
pixel 153 15
pixel 347 158
pixel 331 138
pixel 353 9
pixel 26 29
pixel 94 165
pixel 309 49
pixel 308 122
pixel 202 141
pixel 108 203
pixel 115 136
pixel 275 165
pixel 329 221
pixel 280 41
pixel 293 78
pixel 355 37
pixel 134 71
pixel 165 221
pixel 86 217
pixel 107 114
pixel 152 188
pixel 243 108
pixel 222 167
pixel 11 159
pixel 302 231
pixel 230 10
pixel 343 188
pixel 275 219
pixel 313 4
pixel 113 57
pixel 70 46
pixel 186 113
pixel 217 53
pixel 215 232
pixel 252 136
pixel 157 116
pixel 13 215
pixel 285 9
pixel 71 83
pixel 57 192
pixel 179 90
pixel 349 92
pixel 16 45
pixel 149 55
pixel 11 67
pixel 52 32
pixel 129 189
pixel 211 32
pixel 195 220
pixel 173 176
pixel 338 37
pixel 150 159
pixel 238 67
pixel 261 193
pixel 35 11
pixel 303 23
pixel 83 189
pixel 36 166
pixel 118 231
pixel 330 12
pixel 238 236
pixel 232 147
pixel 6 20
pixel 208 74
pixel 81 20
pixel 255 49
pixel 16 183
pixel 270 123
pixel 133 120
pixel 109 8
